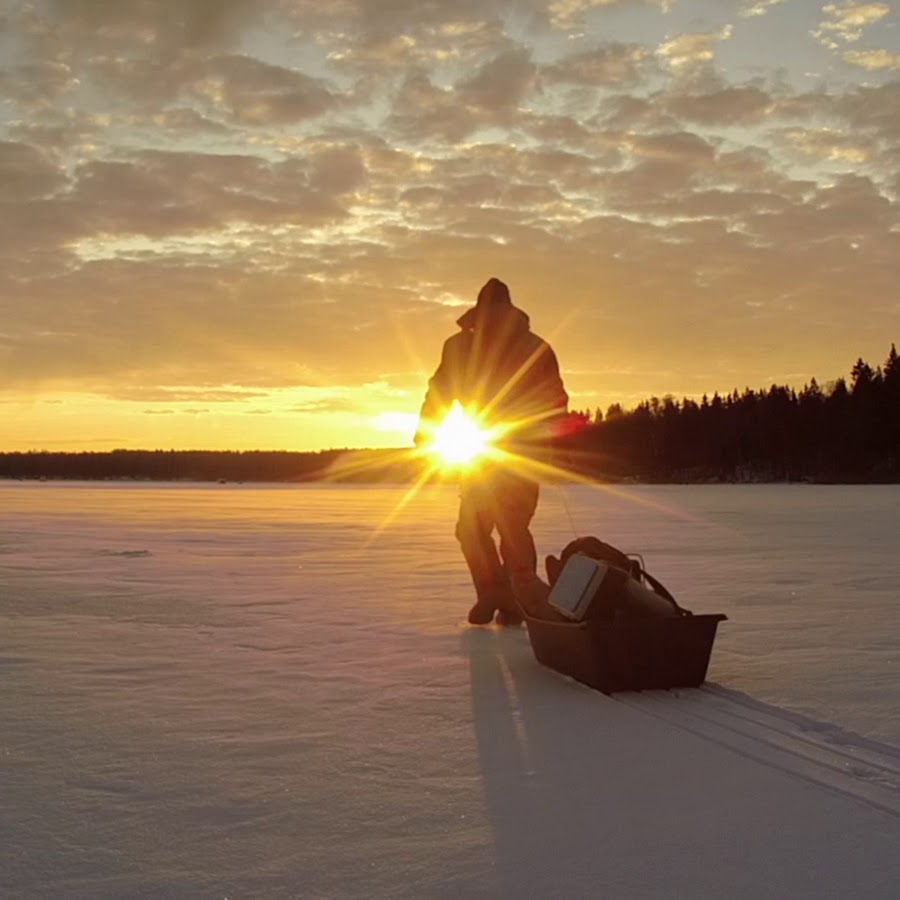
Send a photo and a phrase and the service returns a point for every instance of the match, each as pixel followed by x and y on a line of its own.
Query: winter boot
pixel 510 618
pixel 482 613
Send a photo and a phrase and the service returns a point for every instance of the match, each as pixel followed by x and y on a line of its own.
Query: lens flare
pixel 458 440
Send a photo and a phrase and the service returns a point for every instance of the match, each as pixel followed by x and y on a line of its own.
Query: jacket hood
pixel 475 317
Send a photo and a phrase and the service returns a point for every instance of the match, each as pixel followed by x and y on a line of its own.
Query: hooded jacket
pixel 501 372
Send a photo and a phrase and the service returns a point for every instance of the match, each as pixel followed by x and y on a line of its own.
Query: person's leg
pixel 473 531
pixel 516 504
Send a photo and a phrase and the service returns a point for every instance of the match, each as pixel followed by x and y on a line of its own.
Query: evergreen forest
pixel 842 433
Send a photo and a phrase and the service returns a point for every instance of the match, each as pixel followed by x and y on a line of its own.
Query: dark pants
pixel 501 500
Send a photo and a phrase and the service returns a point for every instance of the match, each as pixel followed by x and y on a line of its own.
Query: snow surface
pixel 241 691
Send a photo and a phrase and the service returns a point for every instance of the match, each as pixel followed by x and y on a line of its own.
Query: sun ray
pixel 543 471
pixel 515 378
pixel 356 462
pixel 424 477
pixel 461 445
pixel 459 439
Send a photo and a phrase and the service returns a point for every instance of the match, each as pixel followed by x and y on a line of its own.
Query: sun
pixel 458 440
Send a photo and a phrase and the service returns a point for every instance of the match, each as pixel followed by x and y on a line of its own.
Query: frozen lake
pixel 269 691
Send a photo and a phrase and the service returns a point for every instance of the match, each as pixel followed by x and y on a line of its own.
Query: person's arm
pixel 438 397
pixel 536 417
pixel 561 424
pixel 558 399
pixel 554 399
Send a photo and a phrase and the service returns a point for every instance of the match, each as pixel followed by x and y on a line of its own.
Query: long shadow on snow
pixel 567 768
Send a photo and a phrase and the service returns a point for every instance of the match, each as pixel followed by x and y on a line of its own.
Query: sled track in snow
pixel 817 752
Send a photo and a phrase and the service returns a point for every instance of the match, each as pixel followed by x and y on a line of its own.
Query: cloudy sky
pixel 252 223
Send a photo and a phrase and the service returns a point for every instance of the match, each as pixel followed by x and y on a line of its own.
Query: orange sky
pixel 252 223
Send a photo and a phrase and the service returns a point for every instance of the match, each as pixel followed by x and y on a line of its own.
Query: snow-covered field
pixel 268 692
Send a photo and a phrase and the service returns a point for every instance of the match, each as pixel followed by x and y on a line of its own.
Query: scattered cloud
pixel 333 404
pixel 873 60
pixel 253 207
pixel 500 84
pixel 744 105
pixel 688 50
pixel 161 24
pixel 612 65
pixel 755 8
pixel 26 173
pixel 828 144
pixel 571 13
pixel 846 22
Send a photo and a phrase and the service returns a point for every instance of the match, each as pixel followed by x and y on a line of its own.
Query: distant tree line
pixel 208 465
pixel 840 433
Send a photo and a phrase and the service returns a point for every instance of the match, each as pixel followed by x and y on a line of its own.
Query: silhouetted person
pixel 498 369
